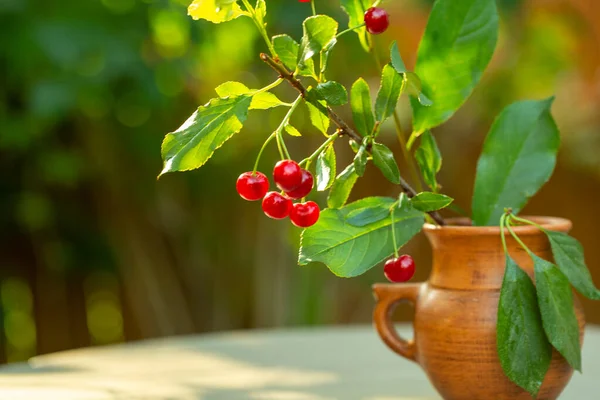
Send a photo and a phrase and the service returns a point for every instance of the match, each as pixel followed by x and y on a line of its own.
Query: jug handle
pixel 388 296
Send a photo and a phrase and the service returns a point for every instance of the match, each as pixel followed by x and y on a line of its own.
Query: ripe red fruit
pixel 399 269
pixel 287 175
pixel 376 20
pixel 305 186
pixel 306 214
pixel 276 206
pixel 252 186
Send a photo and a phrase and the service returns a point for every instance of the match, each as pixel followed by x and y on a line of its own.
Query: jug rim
pixel 462 226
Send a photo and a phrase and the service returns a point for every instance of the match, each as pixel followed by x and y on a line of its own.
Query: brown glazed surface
pixel 455 311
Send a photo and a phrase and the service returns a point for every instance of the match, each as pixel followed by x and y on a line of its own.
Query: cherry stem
pixel 281 148
pixel 349 30
pixel 262 149
pixel 314 155
pixel 277 131
pixel 394 232
pixel 343 127
pixel 281 127
pixel 312 5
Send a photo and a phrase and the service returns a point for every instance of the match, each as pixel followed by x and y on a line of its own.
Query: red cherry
pixel 304 1
pixel 287 175
pixel 305 186
pixel 399 269
pixel 276 206
pixel 252 186
pixel 376 20
pixel 306 214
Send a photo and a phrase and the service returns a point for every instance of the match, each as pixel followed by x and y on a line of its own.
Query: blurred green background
pixel 95 250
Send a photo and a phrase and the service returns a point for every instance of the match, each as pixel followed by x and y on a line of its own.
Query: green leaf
pixel 396 58
pixel 414 88
pixel 292 131
pixel 368 215
pixel 356 12
pixel 518 157
pixel 332 92
pixel 287 50
pixel 215 11
pixel 326 53
pixel 360 160
pixel 568 255
pixel 319 30
pixel 362 109
pixel 427 201
pixel 523 348
pixel 458 210
pixel 389 93
pixel 429 159
pixel 457 46
pixel 341 188
pixel 383 158
pixel 404 203
pixel 190 146
pixel 260 9
pixel 260 101
pixel 413 84
pixel 349 250
pixel 264 101
pixel 411 80
pixel 317 111
pixel 317 117
pixel 231 88
pixel 555 299
pixel 325 169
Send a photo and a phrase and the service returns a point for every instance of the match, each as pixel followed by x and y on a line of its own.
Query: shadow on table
pixel 323 364
pixel 288 365
pixel 29 369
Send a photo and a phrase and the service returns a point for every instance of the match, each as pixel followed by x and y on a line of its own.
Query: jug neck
pixel 469 257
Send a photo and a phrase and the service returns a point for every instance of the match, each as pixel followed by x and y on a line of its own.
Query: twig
pixel 289 76
pixel 343 127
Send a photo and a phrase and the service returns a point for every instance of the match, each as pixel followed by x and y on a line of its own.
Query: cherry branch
pixel 343 127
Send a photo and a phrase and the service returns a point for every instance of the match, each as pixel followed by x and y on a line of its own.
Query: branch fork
pixel 343 127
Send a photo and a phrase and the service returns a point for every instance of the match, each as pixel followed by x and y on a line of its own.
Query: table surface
pixel 300 364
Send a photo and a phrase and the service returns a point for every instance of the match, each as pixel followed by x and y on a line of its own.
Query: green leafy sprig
pixel 518 158
pixel 534 319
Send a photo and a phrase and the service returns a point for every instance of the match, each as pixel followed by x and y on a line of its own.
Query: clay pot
pixel 455 311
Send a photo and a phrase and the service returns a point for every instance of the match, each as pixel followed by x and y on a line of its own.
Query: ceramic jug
pixel 456 309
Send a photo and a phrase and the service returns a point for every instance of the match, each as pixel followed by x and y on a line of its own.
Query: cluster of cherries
pixel 295 184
